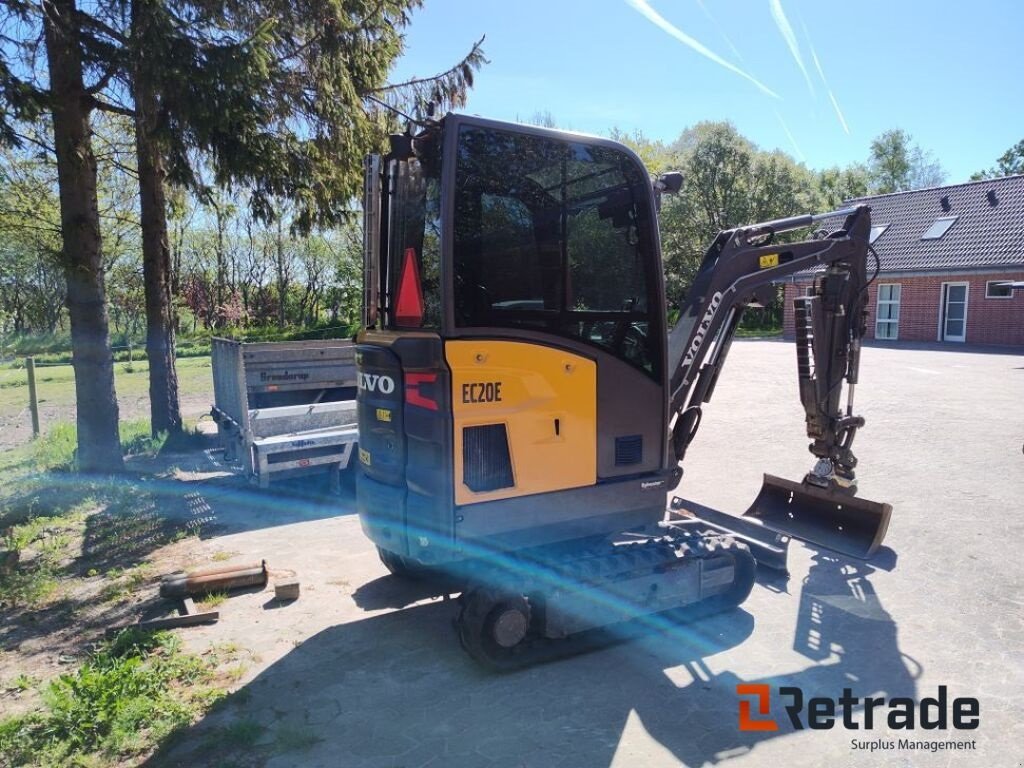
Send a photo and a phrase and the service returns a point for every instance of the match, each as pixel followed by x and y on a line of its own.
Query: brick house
pixel 948 256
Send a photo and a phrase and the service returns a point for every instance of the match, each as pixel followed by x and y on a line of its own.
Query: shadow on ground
pixel 122 520
pixel 395 690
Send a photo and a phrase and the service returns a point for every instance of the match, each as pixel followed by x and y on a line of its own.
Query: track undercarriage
pixel 552 604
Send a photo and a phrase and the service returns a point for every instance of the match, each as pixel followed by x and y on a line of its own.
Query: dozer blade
pixel 769 547
pixel 836 521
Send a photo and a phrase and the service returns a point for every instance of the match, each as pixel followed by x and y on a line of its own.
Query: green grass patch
pixel 22 683
pixel 56 525
pixel 768 332
pixel 55 383
pixel 35 551
pixel 124 583
pixel 212 600
pixel 55 451
pixel 128 697
pixel 242 734
pixel 295 739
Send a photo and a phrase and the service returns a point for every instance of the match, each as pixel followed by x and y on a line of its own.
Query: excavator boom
pixel 739 267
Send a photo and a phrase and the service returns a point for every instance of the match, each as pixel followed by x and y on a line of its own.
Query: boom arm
pixel 738 271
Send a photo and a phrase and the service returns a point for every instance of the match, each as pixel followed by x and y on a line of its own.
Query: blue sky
pixel 952 74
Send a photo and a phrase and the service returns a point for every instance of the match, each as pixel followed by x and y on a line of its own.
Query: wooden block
pixel 184 620
pixel 286 589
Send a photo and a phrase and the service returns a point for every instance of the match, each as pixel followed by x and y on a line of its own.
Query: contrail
pixel 788 35
pixel 660 21
pixel 821 74
pixel 721 31
pixel 792 139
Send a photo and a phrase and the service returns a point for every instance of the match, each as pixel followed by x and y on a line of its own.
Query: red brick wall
pixel 989 321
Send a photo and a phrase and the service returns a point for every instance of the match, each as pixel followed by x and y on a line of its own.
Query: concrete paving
pixel 364 670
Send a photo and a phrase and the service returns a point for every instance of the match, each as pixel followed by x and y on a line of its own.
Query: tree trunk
pixel 164 407
pixel 282 278
pixel 99 447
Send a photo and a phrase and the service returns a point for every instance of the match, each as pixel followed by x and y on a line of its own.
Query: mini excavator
pixel 524 408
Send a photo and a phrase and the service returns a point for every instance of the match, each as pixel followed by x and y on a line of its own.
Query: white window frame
pixel 951 219
pixel 997 298
pixel 942 311
pixel 888 321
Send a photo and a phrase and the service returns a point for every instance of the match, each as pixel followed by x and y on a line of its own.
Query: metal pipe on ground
pixel 205 581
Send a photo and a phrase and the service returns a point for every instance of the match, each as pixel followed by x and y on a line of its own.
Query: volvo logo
pixel 375 382
pixel 702 329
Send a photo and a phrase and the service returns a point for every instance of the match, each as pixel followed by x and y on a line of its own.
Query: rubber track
pixel 593 568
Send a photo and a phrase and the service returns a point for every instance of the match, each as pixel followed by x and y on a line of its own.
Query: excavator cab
pixel 524 409
pixel 513 364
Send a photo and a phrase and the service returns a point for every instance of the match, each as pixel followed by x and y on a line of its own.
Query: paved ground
pixel 365 671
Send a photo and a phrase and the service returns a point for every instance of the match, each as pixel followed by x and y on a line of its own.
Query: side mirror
pixel 669 183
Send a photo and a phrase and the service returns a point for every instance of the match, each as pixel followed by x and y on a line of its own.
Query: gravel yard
pixel 365 670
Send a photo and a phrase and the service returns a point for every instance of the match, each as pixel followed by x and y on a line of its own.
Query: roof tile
pixel 984 235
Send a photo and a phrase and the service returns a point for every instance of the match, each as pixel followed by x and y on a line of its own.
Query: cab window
pixel 414 253
pixel 553 236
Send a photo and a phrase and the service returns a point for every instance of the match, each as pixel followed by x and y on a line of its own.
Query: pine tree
pixel 282 98
pixel 278 97
pixel 27 95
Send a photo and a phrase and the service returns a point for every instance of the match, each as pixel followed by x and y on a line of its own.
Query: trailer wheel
pixel 494 627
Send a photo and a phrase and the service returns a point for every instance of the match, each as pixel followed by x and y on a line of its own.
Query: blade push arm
pixel 738 270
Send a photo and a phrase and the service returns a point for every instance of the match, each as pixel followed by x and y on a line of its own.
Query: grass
pixel 55 384
pixel 124 583
pixel 51 518
pixel 242 734
pixel 56 347
pixel 125 699
pixel 295 739
pixel 22 683
pixel 212 600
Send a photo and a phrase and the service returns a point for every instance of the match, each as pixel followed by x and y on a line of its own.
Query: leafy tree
pixel 837 185
pixel 727 182
pixel 1010 163
pixel 31 278
pixel 898 164
pixel 653 153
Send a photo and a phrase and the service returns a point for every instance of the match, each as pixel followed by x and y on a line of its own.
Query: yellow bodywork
pixel 547 399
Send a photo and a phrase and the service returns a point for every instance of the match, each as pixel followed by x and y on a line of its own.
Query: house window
pixel 939 227
pixel 887 315
pixel 876 232
pixel 998 289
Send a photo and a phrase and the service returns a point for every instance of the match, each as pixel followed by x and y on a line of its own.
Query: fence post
pixel 33 402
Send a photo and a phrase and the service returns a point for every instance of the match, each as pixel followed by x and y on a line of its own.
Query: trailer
pixel 285 408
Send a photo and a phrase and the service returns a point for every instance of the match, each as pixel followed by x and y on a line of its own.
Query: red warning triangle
pixel 409 306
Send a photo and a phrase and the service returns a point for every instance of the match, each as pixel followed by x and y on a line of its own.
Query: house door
pixel 953 326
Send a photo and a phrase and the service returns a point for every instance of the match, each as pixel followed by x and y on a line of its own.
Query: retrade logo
pixel 762 694
pixel 756 710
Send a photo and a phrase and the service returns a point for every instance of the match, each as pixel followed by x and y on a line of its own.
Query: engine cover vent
pixel 486 465
pixel 629 449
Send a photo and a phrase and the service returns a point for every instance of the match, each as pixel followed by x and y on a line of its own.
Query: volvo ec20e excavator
pixel 524 410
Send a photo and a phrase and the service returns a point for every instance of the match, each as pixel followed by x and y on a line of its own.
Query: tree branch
pixel 106 106
pixel 423 80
